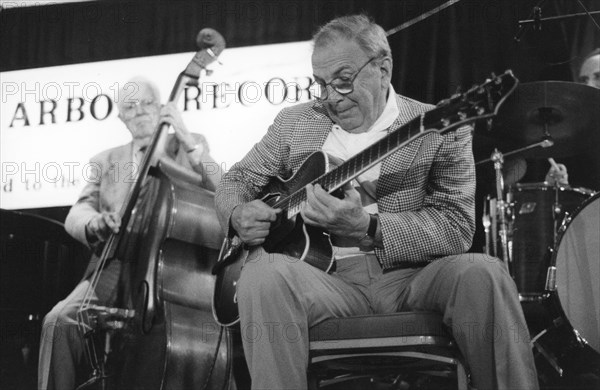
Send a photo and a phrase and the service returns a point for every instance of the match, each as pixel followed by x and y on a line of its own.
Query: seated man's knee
pixel 58 320
pixel 264 271
pixel 481 267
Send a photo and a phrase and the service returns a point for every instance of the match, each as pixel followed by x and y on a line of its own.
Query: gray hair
pixel 131 87
pixel 361 28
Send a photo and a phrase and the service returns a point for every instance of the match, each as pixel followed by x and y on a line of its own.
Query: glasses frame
pixel 344 91
pixel 129 108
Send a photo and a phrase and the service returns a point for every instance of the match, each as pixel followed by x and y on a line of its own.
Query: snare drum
pixel 537 210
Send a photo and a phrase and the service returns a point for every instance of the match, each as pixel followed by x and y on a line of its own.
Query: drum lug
pixel 580 340
pixel 551 279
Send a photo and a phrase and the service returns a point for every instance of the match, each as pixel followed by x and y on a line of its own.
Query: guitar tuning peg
pixel 457 93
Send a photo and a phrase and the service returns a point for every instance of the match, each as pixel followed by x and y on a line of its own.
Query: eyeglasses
pixel 129 108
pixel 342 85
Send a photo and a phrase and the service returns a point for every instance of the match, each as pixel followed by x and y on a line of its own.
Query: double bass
pixel 160 332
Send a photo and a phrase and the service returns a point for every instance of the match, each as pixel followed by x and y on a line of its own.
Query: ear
pixel 386 70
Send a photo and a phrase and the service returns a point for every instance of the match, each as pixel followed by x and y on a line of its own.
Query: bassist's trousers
pixel 62 361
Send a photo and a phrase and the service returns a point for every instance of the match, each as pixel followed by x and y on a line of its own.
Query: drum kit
pixel 548 234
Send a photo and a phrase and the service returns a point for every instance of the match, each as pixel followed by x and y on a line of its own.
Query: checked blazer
pixel 425 192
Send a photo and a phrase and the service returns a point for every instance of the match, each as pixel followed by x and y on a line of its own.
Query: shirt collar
pixel 389 114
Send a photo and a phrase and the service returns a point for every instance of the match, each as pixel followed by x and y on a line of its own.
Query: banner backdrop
pixel 54 119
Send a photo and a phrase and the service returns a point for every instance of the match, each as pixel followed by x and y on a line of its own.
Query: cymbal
pixel 566 113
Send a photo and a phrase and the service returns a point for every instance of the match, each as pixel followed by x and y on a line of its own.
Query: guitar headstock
pixel 211 44
pixel 480 102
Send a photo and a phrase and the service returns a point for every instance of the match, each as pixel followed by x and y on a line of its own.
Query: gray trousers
pixel 63 364
pixel 280 298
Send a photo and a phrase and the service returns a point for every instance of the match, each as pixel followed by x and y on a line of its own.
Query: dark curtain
pixel 459 45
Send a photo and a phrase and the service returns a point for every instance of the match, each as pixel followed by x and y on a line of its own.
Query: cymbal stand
pixel 501 208
pixel 545 142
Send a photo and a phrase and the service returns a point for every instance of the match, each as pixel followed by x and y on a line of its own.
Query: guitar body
pixel 288 236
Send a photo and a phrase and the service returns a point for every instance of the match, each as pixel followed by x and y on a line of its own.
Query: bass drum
pixel 577 260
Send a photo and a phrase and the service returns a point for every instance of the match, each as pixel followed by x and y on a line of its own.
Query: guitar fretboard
pixel 358 163
pixel 479 102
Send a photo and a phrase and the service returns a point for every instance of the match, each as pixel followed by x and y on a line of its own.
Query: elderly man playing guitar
pixel 397 234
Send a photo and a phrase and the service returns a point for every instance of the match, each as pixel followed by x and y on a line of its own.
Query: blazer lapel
pixel 395 167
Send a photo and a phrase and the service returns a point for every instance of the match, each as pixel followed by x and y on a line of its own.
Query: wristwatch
pixel 371 230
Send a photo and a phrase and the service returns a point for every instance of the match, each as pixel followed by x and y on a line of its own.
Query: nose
pixel 139 109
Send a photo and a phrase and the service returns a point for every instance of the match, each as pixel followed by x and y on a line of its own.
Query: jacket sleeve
pixel 88 204
pixel 247 178
pixel 207 168
pixel 445 223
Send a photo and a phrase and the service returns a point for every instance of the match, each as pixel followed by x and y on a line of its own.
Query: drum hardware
pixel 549 356
pixel 558 343
pixel 551 279
pixel 501 205
pixel 545 142
pixel 487 224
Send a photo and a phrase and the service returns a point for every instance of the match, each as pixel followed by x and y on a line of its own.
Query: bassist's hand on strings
pixel 341 217
pixel 102 225
pixel 252 221
pixel 171 115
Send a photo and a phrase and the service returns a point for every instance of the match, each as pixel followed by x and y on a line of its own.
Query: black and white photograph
pixel 300 195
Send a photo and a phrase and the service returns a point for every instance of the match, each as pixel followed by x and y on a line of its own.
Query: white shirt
pixel 343 145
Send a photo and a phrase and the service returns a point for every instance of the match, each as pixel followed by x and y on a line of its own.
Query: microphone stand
pixel 555 18
pixel 536 13
pixel 537 19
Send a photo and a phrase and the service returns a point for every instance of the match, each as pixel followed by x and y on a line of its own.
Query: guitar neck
pixel 363 161
pixel 480 102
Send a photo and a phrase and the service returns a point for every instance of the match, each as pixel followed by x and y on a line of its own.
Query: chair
pixel 390 348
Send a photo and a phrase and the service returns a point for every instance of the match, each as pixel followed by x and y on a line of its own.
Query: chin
pixel 349 125
pixel 144 129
